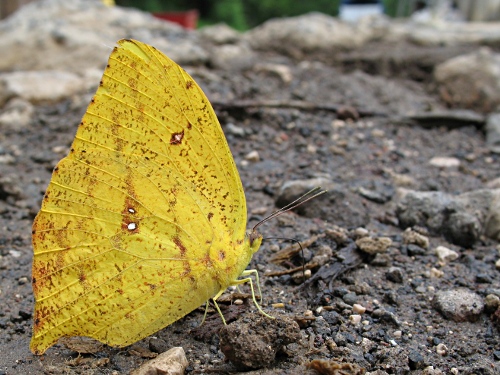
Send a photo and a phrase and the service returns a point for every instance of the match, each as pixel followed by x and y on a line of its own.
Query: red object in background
pixel 187 19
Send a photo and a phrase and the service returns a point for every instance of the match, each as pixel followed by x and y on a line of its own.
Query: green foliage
pixel 259 11
pixel 231 12
pixel 239 14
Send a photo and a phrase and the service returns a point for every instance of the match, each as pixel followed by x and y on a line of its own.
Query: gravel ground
pixel 377 295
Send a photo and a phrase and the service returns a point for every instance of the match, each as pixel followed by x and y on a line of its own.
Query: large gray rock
pixel 234 57
pixel 461 219
pixel 306 33
pixel 443 33
pixel 459 305
pixel 220 34
pixel 471 81
pixel 74 35
pixel 493 132
pixel 37 86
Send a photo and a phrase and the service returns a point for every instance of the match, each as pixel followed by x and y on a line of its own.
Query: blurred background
pixel 245 14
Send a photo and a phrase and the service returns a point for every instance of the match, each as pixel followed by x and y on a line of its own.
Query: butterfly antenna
pixel 311 194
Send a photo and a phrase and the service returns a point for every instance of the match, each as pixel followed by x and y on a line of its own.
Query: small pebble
pixel 393 343
pixel 350 298
pixel 375 245
pixel 444 162
pixel 397 334
pixel 415 250
pixel 446 255
pixel 361 232
pixel 430 370
pixel 252 156
pixel 261 211
pixel 381 260
pixel 436 273
pixel 414 238
pixel 367 344
pixel 338 124
pixel 378 133
pixel 441 349
pixel 395 274
pixel 497 264
pixel 355 319
pixel 420 289
pixel 300 276
pixel 235 130
pixel 311 149
pixel 157 345
pixel 415 360
pixel 15 253
pixel 483 278
pixel 60 149
pixel 238 301
pixel 358 309
pixel 491 302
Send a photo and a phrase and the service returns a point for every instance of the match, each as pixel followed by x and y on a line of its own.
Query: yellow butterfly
pixel 145 219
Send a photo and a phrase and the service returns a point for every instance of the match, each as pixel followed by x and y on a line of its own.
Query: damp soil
pixel 313 332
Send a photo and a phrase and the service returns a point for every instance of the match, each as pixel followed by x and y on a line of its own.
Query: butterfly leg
pixel 214 299
pixel 205 314
pixel 256 274
pixel 249 280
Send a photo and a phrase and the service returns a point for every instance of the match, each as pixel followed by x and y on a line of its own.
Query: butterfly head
pixel 255 239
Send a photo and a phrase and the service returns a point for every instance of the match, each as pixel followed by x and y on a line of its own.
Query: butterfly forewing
pixel 135 215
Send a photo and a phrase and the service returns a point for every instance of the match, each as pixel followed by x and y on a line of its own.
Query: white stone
pixel 441 349
pixel 436 272
pixel 172 362
pixel 355 319
pixel 446 255
pixel 358 309
pixel 444 162
pixel 15 253
pixel 252 156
